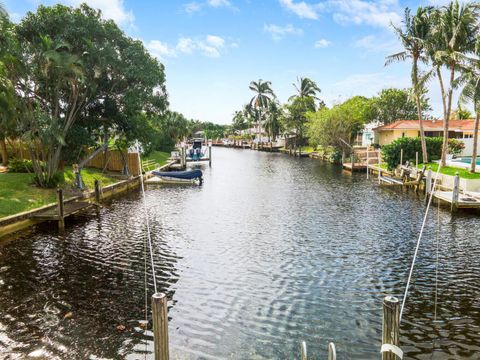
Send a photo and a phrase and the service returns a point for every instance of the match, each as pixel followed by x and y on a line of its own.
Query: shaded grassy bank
pixel 18 193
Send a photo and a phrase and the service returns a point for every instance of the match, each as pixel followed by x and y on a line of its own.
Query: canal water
pixel 269 252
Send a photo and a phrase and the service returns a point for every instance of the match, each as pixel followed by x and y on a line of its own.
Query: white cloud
pixel 192 7
pixel 195 6
pixel 375 44
pixel 219 3
pixel 215 41
pixel 378 13
pixel 210 46
pixel 278 32
pixel 111 9
pixel 302 9
pixel 160 50
pixel 322 43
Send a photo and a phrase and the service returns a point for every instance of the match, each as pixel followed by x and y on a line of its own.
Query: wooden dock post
pixel 210 154
pixel 160 326
pixel 368 163
pixel 352 157
pixel 456 192
pixel 332 352
pixel 61 217
pixel 343 157
pixel 379 168
pixel 416 159
pixel 97 191
pixel 303 351
pixel 401 156
pixel 391 329
pixel 428 184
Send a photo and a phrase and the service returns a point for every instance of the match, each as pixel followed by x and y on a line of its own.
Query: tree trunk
pixel 447 117
pixel 475 141
pixel 419 110
pixel 3 151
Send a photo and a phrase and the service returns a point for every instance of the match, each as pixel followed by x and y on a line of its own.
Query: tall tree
pixel 396 104
pixel 299 105
pixel 259 102
pixel 470 78
pixel 457 27
pixel 272 121
pixel 415 33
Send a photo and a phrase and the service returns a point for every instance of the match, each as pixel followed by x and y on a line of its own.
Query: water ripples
pixel 269 252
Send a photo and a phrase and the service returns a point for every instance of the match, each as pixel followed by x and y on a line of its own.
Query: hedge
pixel 410 146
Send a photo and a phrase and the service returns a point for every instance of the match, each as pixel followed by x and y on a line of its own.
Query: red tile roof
pixel 428 125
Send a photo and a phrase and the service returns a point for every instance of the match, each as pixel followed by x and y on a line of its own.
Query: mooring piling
pixel 303 351
pixel 210 154
pixel 332 352
pixel 416 159
pixel 368 164
pixel 401 156
pixel 160 326
pixel 428 184
pixel 391 329
pixel 97 191
pixel 455 192
pixel 61 212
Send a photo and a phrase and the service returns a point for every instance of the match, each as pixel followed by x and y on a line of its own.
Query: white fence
pixel 469 146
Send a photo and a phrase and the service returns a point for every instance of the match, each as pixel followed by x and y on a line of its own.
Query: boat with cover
pixel 177 177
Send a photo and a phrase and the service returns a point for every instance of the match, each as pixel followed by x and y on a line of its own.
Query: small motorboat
pixel 177 177
pixel 197 151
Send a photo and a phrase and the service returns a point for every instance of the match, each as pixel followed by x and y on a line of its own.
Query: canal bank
pixel 269 252
pixel 26 219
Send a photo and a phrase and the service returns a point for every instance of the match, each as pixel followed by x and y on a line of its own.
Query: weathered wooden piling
pixel 210 154
pixel 391 329
pixel 60 208
pixel 455 192
pixel 368 164
pixel 416 159
pixel 428 184
pixel 160 326
pixel 379 168
pixel 401 156
pixel 332 352
pixel 97 191
pixel 303 351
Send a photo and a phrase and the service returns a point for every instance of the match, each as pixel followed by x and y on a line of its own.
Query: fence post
pixel 97 191
pixel 160 326
pixel 60 208
pixel 391 327
pixel 456 192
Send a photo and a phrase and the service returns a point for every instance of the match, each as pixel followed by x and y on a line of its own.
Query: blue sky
pixel 212 49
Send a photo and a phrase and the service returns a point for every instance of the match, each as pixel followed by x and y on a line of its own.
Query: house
pixel 365 137
pixel 457 129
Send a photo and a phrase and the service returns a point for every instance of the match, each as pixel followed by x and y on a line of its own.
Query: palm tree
pixel 471 94
pixel 306 88
pixel 272 121
pixel 416 32
pixel 259 102
pixel 457 28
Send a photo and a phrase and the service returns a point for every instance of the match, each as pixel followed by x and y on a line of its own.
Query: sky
pixel 212 49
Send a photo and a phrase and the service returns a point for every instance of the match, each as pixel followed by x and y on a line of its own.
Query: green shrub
pixel 455 146
pixel 410 146
pixel 57 179
pixel 20 166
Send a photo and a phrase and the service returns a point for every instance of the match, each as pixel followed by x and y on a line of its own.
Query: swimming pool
pixel 466 160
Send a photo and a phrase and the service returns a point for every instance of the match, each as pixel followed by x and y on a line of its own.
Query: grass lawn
pixel 159 157
pixel 18 193
pixel 450 170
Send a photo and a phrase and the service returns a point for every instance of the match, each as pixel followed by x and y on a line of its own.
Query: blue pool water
pixel 466 160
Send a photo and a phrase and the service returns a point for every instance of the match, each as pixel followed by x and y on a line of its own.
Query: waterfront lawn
pixel 450 170
pixel 18 192
pixel 159 157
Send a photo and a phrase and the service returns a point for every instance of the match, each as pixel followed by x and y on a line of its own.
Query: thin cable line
pixel 147 221
pixel 418 243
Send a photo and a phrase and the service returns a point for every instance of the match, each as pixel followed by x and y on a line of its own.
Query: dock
pixel 464 201
pixel 68 208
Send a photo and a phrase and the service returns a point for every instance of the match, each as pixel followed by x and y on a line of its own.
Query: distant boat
pixel 177 177
pixel 197 151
